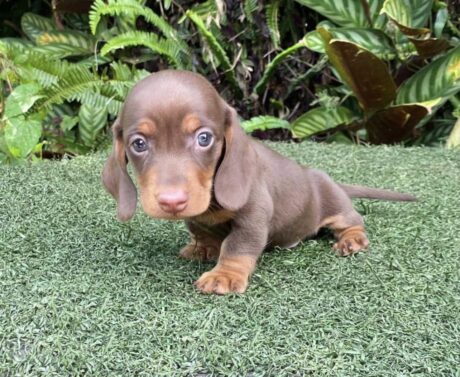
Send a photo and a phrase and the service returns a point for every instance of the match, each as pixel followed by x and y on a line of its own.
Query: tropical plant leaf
pixel 217 49
pixel 433 83
pixel 22 135
pixel 348 13
pixel 91 121
pixel 320 119
pixel 428 48
pixel 366 75
pixel 394 124
pixel 60 51
pixel 453 140
pixel 71 38
pixel 263 123
pixel 21 99
pixel 272 14
pixel 278 59
pixel 374 40
pixel 409 15
pixel 34 25
pixel 421 11
pixel 161 46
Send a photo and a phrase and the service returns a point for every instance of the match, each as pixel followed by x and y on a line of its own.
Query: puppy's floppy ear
pixel 235 175
pixel 116 179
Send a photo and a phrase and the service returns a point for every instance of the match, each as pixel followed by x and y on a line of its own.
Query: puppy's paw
pixel 199 252
pixel 222 281
pixel 351 241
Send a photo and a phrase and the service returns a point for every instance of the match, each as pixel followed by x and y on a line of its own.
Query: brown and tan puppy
pixel 194 162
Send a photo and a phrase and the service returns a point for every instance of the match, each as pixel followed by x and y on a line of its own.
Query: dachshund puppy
pixel 193 161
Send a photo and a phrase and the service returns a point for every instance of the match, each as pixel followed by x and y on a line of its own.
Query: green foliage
pixel 379 71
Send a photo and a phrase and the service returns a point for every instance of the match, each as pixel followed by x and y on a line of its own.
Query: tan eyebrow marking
pixel 147 128
pixel 190 123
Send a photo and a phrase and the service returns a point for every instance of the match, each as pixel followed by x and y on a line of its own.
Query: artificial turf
pixel 82 294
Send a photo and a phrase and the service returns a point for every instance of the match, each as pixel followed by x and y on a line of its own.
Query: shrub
pixel 349 70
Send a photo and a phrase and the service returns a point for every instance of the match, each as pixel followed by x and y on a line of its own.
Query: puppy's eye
pixel 204 139
pixel 139 145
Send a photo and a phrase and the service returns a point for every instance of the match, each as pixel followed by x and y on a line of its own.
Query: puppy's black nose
pixel 173 201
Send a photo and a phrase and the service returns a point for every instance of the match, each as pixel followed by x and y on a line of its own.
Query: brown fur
pixel 242 196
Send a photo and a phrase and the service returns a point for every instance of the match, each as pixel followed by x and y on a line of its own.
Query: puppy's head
pixel 183 141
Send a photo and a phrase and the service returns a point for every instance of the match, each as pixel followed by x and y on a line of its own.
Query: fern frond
pixel 134 38
pixel 135 9
pixel 216 48
pixel 262 83
pixel 272 15
pixel 249 7
pixel 76 80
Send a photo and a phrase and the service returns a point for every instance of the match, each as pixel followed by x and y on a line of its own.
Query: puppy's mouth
pixel 175 204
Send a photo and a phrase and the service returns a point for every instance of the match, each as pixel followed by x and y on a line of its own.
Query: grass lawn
pixel 82 294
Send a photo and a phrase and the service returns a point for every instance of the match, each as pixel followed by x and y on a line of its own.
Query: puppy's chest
pixel 215 217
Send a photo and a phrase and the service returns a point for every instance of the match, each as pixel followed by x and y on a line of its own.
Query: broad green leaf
pixel 421 11
pixel 21 99
pixel 453 140
pixel 394 124
pixel 68 122
pixel 91 121
pixel 408 13
pixel 21 135
pixel 67 37
pixel 366 75
pixel 437 80
pixel 441 19
pixel 263 123
pixel 348 13
pixel 320 119
pixel 60 51
pixel 33 25
pixel 374 40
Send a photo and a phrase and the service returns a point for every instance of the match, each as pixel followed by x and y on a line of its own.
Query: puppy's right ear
pixel 116 179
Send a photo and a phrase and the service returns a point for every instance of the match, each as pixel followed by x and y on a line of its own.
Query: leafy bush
pixel 350 70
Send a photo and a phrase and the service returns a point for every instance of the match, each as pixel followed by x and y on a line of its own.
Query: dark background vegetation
pixel 246 37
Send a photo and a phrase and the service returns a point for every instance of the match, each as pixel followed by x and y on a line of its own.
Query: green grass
pixel 82 294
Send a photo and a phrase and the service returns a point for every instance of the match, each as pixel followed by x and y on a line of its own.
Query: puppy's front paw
pixel 199 252
pixel 222 281
pixel 351 241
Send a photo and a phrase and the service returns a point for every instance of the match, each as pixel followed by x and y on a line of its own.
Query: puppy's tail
pixel 371 193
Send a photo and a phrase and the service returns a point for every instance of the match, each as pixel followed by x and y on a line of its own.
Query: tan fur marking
pixel 351 240
pixel 190 123
pixel 334 222
pixel 147 128
pixel 199 194
pixel 231 274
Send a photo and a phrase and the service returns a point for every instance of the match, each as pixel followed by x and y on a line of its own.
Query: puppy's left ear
pixel 116 179
pixel 236 173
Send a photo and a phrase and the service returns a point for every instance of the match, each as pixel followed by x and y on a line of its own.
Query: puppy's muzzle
pixel 173 201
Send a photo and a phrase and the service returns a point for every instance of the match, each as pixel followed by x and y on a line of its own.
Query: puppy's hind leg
pixel 349 232
pixel 338 214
